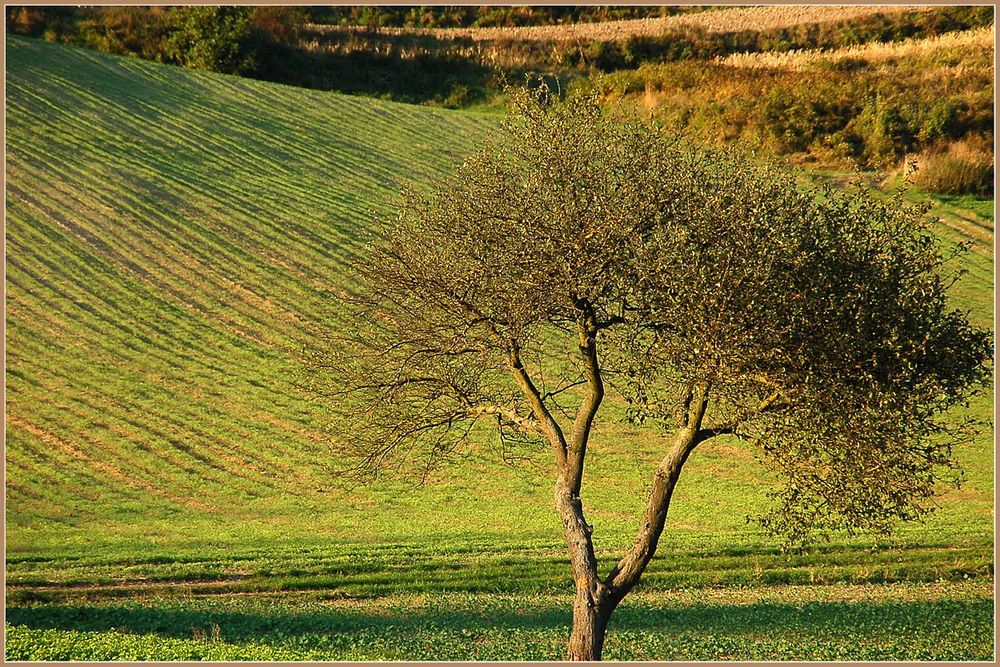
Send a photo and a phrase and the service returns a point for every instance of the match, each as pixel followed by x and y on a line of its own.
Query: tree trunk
pixel 591 612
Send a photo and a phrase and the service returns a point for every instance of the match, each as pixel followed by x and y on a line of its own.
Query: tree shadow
pixel 417 79
pixel 829 618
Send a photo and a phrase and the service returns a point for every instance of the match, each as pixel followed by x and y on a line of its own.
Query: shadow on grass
pixel 814 618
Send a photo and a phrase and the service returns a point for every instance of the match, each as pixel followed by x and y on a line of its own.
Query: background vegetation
pixel 869 108
pixel 483 16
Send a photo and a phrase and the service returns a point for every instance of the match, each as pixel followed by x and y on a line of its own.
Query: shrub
pixel 942 121
pixel 281 24
pixel 605 56
pixel 25 21
pixel 884 126
pixel 218 39
pixel 132 31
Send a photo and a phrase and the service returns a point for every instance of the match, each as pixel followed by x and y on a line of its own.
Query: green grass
pixel 174 238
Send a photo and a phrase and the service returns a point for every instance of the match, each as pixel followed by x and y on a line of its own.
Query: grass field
pixel 926 622
pixel 719 20
pixel 174 240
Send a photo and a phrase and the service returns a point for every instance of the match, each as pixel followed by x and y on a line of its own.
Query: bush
pixel 218 39
pixel 280 24
pixel 25 21
pixel 942 121
pixel 606 56
pixel 885 127
pixel 133 31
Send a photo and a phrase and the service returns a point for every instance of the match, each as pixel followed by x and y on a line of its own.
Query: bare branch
pixel 550 427
pixel 512 418
pixel 580 434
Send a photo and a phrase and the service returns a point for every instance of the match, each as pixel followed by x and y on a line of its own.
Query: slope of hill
pixel 171 235
pixel 173 238
pixel 870 53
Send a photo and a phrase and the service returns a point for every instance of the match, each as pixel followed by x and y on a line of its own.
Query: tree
pixel 577 254
pixel 218 39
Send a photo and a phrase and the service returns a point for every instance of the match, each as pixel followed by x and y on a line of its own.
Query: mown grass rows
pixel 174 386
pixel 158 281
pixel 516 566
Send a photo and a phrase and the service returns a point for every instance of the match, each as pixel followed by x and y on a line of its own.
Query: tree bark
pixel 591 611
pixel 592 606
pixel 629 569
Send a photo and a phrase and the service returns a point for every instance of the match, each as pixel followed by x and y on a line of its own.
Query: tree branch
pixel 770 403
pixel 585 414
pixel 526 424
pixel 610 322
pixel 626 573
pixel 550 427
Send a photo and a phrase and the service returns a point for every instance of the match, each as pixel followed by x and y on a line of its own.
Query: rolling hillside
pixel 171 236
pixel 173 241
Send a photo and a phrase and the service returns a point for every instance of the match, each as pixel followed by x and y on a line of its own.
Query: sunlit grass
pixel 872 53
pixel 732 19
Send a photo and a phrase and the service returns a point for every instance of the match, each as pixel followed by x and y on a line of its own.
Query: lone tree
pixel 576 253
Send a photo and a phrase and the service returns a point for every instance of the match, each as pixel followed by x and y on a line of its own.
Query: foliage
pixel 217 39
pixel 580 252
pixel 870 111
pixel 483 16
pixel 709 267
pixel 231 40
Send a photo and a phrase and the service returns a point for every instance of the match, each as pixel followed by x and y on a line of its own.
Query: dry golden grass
pixel 960 167
pixel 725 20
pixel 872 53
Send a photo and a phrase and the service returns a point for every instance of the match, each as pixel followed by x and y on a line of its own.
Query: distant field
pixel 724 20
pixel 870 53
pixel 174 239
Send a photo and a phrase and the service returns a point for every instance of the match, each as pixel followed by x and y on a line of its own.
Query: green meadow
pixel 175 240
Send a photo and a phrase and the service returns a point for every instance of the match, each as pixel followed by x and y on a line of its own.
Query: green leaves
pixel 218 39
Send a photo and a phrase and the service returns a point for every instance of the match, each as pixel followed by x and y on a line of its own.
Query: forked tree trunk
pixel 597 598
pixel 590 622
